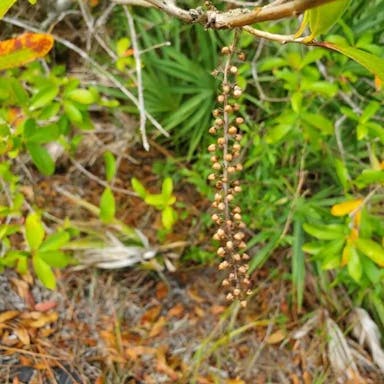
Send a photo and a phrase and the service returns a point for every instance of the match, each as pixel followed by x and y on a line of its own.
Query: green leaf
pixel 44 272
pixel 330 261
pixel 5 5
pixel 298 263
pixel 44 96
pixel 324 88
pixel 156 200
pixel 41 158
pixel 107 205
pixel 277 133
pixel 372 63
pixel 369 111
pixel 82 96
pixel 22 265
pixel 372 250
pixel 318 121
pixel 368 177
pixel 296 101
pixel 73 113
pixel 342 173
pixel 313 248
pixel 322 18
pixel 325 232
pixel 55 241
pixel 355 268
pixel 167 187
pixel 41 135
pixel 34 231
pixel 122 45
pixel 110 166
pixel 54 258
pixel 139 188
pixel 168 217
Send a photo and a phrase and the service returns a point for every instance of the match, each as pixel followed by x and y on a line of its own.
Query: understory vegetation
pixel 309 139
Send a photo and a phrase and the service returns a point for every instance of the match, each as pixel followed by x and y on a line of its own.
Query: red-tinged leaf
pixel 372 63
pixel 45 306
pixel 24 49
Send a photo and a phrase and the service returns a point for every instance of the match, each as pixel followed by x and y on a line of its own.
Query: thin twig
pixel 80 168
pixel 139 77
pixel 93 32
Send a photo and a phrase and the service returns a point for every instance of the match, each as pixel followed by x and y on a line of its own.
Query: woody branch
pixel 234 18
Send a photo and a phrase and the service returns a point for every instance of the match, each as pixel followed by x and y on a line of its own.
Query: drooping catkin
pixel 226 165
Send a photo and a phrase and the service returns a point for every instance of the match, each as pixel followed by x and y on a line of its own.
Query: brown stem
pixel 238 17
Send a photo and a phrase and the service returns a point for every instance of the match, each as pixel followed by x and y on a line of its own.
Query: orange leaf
pixel 23 335
pixel 346 207
pixel 378 83
pixel 158 327
pixel 24 49
pixel 8 315
pixel 176 311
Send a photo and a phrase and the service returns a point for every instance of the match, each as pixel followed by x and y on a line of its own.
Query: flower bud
pixel 220 99
pixel 232 130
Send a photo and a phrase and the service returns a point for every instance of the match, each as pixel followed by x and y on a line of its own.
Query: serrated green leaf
pixel 107 205
pixel 44 96
pixel 110 166
pixel 41 158
pixel 44 272
pixel 55 241
pixel 372 250
pixel 34 230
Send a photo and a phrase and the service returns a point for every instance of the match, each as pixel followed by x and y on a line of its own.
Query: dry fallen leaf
pixel 161 290
pixel 8 315
pixel 23 335
pixel 45 306
pixel 158 327
pixel 150 315
pixel 276 337
pixel 176 311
